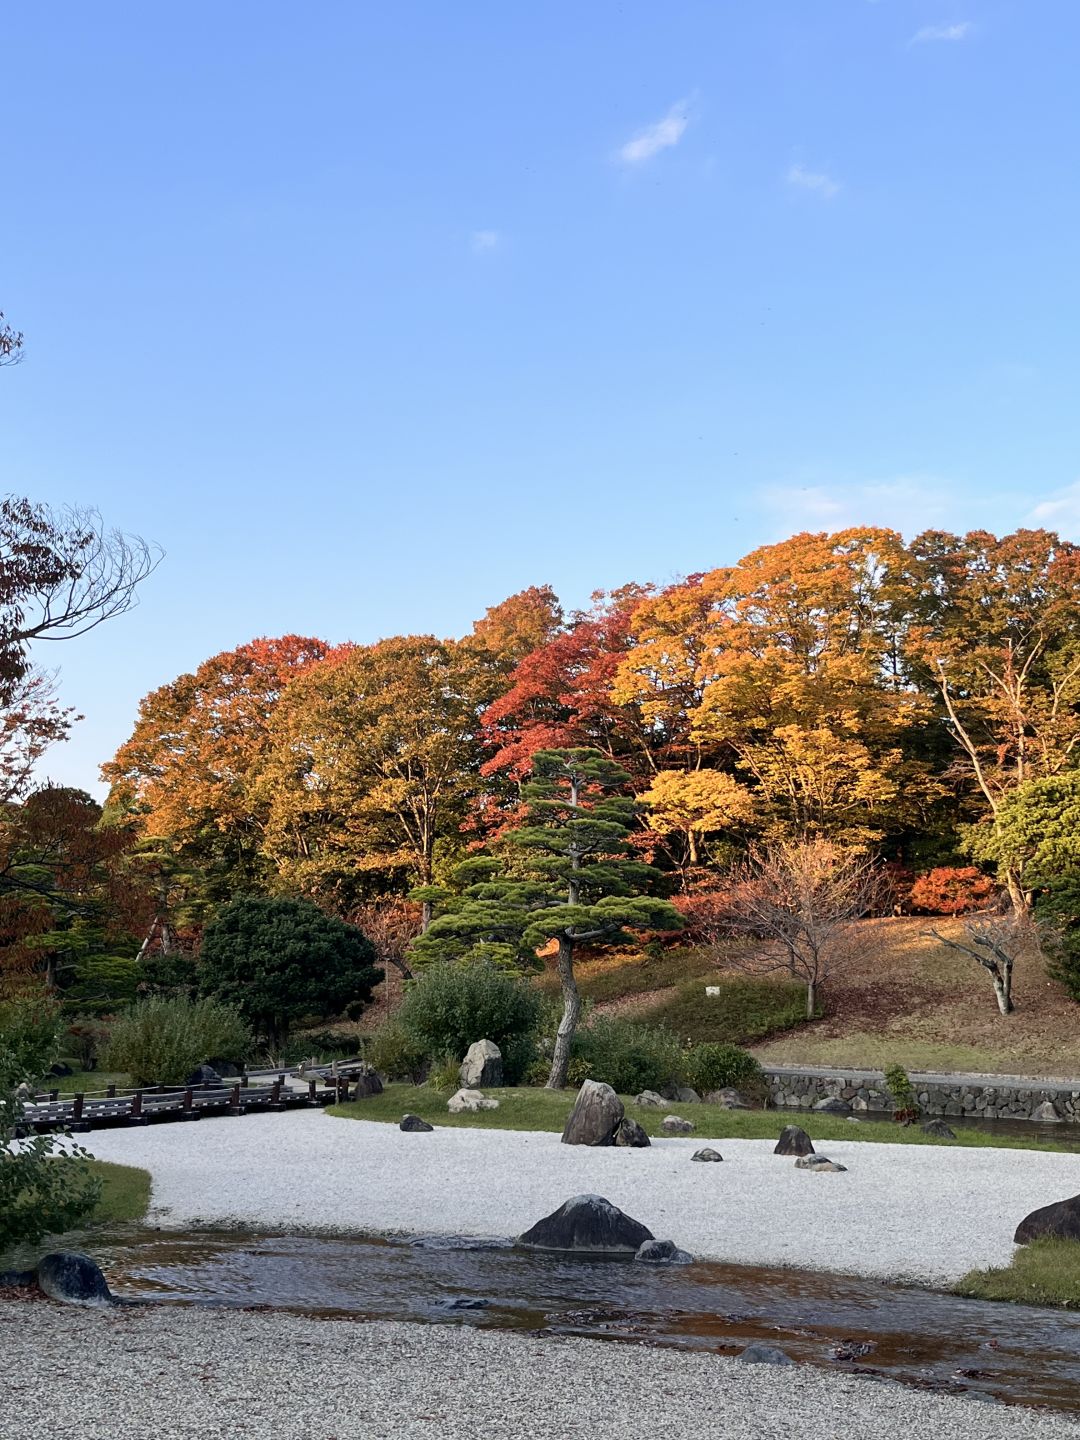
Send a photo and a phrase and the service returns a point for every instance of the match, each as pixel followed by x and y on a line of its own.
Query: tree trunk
pixel 1018 896
pixel 811 998
pixel 1003 989
pixel 560 1059
pixel 426 908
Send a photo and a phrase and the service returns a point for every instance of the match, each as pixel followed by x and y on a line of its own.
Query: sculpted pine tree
pixel 568 875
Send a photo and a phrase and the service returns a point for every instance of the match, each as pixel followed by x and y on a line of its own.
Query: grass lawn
pixel 86 1081
pixel 125 1193
pixel 1046 1272
pixel 537 1109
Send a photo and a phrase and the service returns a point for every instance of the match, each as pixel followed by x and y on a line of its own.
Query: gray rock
pixel 596 1116
pixel 662 1252
pixel 204 1075
pixel 414 1124
pixel 1059 1221
pixel 938 1129
pixel 1046 1113
pixel 74 1278
pixel 685 1096
pixel 707 1154
pixel 482 1068
pixel 833 1105
pixel 587 1223
pixel 367 1083
pixel 676 1125
pixel 728 1098
pixel 651 1100
pixel 631 1135
pixel 765 1355
pixel 469 1101
pixel 794 1141
pixel 818 1162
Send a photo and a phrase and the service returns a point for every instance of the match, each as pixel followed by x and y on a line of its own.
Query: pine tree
pixel 566 874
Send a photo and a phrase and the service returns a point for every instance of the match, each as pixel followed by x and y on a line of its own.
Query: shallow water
pixel 1017 1354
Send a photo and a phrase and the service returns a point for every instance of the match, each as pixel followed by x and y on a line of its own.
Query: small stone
pixel 1046 1114
pixel 728 1099
pixel 833 1105
pixel 482 1068
pixel 662 1252
pixel 685 1096
pixel 469 1101
pixel 707 1154
pixel 794 1141
pixel 676 1125
pixel 631 1135
pixel 818 1162
pixel 414 1124
pixel 651 1100
pixel 765 1355
pixel 939 1130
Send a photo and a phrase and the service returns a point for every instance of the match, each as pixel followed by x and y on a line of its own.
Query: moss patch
pixel 1046 1272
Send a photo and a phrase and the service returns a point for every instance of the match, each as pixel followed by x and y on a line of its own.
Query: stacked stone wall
pixel 977 1097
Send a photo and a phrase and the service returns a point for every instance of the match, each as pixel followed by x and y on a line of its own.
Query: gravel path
pixel 924 1213
pixel 192 1375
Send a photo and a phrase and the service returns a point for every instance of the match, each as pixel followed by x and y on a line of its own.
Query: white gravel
pixel 923 1213
pixel 196 1375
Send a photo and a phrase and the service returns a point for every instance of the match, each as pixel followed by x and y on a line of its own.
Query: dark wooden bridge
pixel 249 1093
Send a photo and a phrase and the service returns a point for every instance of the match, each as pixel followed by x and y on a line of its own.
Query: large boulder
pixel 1059 1221
pixel 631 1135
pixel 204 1074
pixel 73 1278
pixel 794 1141
pixel 469 1101
pixel 587 1223
pixel 1046 1114
pixel 596 1116
pixel 368 1083
pixel 687 1096
pixel 482 1068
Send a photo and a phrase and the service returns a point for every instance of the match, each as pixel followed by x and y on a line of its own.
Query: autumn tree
pixel 517 626
pixel 798 899
pixel 697 804
pixel 186 777
pixel 996 640
pixel 995 940
pixel 372 761
pixel 567 875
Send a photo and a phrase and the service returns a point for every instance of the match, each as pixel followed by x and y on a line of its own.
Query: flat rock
pixel 1046 1114
pixel 833 1105
pixel 676 1125
pixel 73 1278
pixel 794 1141
pixel 651 1100
pixel 596 1116
pixel 938 1129
pixel 482 1067
pixel 468 1101
pixel 818 1162
pixel 662 1252
pixel 686 1096
pixel 631 1134
pixel 1059 1221
pixel 765 1355
pixel 587 1223
pixel 707 1154
pixel 414 1124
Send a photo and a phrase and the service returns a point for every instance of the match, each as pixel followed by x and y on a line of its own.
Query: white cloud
pixel 660 136
pixel 482 241
pixel 1059 511
pixel 930 33
pixel 815 180
pixel 908 503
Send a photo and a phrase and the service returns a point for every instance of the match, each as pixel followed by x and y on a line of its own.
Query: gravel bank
pixel 192 1375
pixel 901 1212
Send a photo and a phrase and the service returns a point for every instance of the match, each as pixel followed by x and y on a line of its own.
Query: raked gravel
pixel 172 1374
pixel 923 1213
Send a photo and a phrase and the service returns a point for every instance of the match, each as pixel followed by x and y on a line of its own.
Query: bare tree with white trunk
pixel 995 940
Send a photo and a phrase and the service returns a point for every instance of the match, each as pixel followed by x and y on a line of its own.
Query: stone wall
pixel 977 1097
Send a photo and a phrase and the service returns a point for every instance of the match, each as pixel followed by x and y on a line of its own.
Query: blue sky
pixel 373 314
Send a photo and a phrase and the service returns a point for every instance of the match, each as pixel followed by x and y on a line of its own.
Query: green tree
pixel 278 960
pixel 567 875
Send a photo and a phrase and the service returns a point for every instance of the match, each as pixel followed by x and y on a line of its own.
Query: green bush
pixel 452 1005
pixel 746 1010
pixel 1057 914
pixel 160 1040
pixel 899 1086
pixel 629 1057
pixel 397 1054
pixel 714 1066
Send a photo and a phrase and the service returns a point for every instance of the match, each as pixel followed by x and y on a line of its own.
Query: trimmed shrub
pixel 629 1057
pixel 160 1040
pixel 746 1009
pixel 715 1067
pixel 397 1054
pixel 952 890
pixel 452 1005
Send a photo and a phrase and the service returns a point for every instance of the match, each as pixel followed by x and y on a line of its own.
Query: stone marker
pixel 415 1124
pixel 469 1101
pixel 596 1116
pixel 367 1083
pixel 794 1141
pixel 588 1223
pixel 631 1135
pixel 482 1068
pixel 1059 1221
pixel 707 1154
pixel 74 1278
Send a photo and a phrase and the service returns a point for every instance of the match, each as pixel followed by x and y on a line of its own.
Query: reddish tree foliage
pixel 952 890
